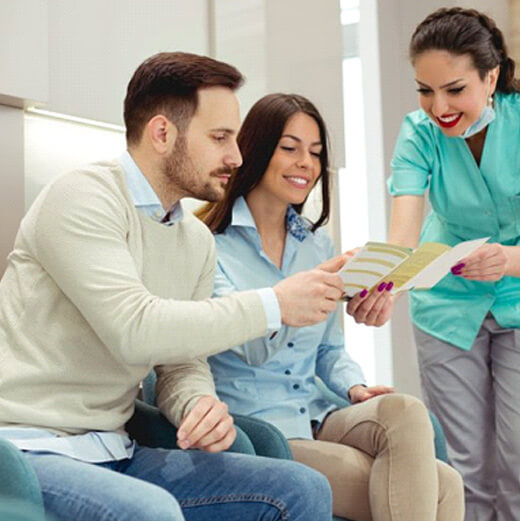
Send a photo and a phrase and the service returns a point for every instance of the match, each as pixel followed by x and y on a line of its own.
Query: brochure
pixel 408 269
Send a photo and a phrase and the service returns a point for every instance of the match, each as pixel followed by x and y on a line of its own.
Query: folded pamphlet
pixel 408 269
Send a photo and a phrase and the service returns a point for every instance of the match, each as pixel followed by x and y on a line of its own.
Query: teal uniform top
pixel 468 201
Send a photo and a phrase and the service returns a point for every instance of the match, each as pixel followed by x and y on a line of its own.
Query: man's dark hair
pixel 167 83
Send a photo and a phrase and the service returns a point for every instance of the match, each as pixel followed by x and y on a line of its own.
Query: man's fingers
pixel 332 280
pixel 333 293
pixel 223 443
pixel 217 434
pixel 335 264
pixel 209 422
pixel 194 417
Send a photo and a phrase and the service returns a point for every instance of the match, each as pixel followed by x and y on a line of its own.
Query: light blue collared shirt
pixel 273 378
pixel 143 196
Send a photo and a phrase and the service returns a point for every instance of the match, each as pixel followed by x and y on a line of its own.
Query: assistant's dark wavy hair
pixel 467 31
pixel 258 138
pixel 168 83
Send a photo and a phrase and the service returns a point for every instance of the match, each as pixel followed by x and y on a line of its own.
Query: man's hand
pixel 372 309
pixel 309 296
pixel 489 263
pixel 360 393
pixel 208 426
pixel 336 263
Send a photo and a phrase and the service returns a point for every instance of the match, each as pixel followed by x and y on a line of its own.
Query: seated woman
pixel 378 454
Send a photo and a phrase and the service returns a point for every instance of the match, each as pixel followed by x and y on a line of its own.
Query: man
pixel 109 278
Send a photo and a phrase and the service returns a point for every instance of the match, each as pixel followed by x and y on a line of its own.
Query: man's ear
pixel 162 134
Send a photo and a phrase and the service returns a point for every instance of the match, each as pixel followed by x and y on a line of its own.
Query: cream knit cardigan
pixel 95 294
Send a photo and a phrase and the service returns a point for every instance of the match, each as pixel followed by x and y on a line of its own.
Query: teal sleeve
pixel 412 161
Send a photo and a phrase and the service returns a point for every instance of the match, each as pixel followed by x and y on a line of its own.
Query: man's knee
pixel 156 504
pixel 313 485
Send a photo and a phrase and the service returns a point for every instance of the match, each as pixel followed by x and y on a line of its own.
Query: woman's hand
pixel 374 309
pixel 360 393
pixel 487 263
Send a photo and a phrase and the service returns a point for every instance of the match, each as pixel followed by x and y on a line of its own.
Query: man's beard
pixel 183 176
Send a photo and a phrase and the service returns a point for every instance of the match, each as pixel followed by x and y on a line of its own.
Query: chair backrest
pixel 149 388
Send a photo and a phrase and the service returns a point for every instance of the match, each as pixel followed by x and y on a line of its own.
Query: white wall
pixel 23 52
pixel 74 57
pixel 95 46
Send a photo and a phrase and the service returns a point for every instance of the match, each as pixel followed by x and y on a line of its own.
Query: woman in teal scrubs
pixel 463 145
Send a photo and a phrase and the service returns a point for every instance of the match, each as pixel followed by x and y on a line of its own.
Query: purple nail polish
pixel 381 287
pixel 364 293
pixel 390 286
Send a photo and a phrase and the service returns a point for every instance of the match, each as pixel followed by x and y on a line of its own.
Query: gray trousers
pixel 476 395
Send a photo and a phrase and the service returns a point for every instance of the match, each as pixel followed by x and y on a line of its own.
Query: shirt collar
pixel 296 225
pixel 143 196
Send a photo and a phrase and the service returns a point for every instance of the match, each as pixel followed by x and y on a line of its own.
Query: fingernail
pixel 456 271
pixel 381 287
pixel 390 286
pixel 181 436
pixel 364 293
pixel 458 266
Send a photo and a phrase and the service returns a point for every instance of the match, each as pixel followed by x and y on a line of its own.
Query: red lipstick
pixel 448 124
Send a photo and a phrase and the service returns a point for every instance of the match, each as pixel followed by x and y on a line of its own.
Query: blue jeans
pixel 174 485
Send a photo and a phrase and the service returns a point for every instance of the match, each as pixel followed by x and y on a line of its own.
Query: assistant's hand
pixel 374 308
pixel 487 263
pixel 208 426
pixel 360 393
pixel 309 296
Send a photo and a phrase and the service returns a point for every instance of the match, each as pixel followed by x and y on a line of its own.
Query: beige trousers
pixel 379 458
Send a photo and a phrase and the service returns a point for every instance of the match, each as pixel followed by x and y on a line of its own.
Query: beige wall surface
pixel 514 32
pixel 11 178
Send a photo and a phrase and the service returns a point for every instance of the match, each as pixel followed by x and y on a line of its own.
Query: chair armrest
pixel 151 429
pixel 267 440
pixel 19 480
pixel 441 448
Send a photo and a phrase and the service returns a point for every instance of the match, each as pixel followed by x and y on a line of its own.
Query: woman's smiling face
pixel 295 164
pixel 450 89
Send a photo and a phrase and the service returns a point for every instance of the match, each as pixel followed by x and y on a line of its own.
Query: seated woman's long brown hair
pixel 257 140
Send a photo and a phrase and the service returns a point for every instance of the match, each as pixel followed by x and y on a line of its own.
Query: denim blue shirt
pixel 469 201
pixel 273 377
